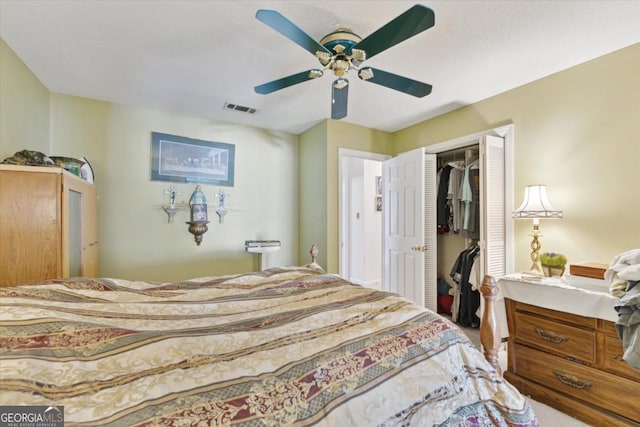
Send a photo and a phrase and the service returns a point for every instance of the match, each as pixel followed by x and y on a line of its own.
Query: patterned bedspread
pixel 286 346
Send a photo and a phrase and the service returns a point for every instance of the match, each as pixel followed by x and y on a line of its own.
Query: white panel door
pixel 405 251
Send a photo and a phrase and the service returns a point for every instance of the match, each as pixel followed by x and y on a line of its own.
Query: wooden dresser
pixel 48 226
pixel 569 361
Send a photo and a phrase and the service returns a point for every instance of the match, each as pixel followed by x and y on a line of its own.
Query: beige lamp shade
pixel 536 204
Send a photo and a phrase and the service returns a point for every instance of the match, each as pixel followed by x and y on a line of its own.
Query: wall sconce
pixel 221 211
pixel 199 219
pixel 536 205
pixel 171 210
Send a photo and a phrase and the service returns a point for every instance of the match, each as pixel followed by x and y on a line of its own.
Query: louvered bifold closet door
pixel 493 228
pixel 430 232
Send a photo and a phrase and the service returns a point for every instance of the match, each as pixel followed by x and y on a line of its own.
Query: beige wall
pixel 24 107
pixel 578 132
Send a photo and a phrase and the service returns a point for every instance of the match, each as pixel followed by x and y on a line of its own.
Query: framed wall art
pixel 378 194
pixel 179 159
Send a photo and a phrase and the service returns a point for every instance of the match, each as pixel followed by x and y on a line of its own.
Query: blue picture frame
pixel 180 159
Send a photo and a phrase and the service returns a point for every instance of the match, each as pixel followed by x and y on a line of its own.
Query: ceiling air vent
pixel 241 108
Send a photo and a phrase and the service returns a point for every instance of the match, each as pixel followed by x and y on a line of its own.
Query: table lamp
pixel 536 205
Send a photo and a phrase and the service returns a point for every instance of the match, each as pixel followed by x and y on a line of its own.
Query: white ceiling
pixel 193 56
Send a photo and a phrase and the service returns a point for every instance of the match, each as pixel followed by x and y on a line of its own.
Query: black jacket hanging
pixel 442 205
pixel 469 299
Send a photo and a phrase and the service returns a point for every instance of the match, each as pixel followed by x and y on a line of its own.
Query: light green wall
pixel 576 131
pixel 345 135
pixel 313 192
pixel 79 127
pixel 136 240
pixel 319 214
pixel 24 107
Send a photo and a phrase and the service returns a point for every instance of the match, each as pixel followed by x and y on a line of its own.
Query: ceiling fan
pixel 342 51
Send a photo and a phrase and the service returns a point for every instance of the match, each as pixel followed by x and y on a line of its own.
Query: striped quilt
pixel 289 346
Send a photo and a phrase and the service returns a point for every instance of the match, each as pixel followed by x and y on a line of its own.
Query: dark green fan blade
pixel 339 98
pixel 399 83
pixel 413 21
pixel 284 82
pixel 288 29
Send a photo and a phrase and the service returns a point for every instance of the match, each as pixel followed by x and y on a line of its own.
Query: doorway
pixel 360 225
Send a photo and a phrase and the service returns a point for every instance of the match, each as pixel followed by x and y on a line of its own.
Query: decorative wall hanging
pixel 199 216
pixel 378 194
pixel 180 159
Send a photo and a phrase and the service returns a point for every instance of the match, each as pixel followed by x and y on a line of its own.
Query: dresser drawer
pixel 607 327
pixel 562 339
pixel 613 361
pixel 599 388
pixel 558 316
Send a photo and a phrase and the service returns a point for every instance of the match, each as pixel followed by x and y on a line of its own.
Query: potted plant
pixel 553 263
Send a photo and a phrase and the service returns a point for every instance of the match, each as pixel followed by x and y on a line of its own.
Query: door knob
pixel 419 248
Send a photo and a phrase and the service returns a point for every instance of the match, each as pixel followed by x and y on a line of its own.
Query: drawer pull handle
pixel 551 336
pixel 571 380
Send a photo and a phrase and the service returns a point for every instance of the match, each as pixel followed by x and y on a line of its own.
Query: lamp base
pixel 536 267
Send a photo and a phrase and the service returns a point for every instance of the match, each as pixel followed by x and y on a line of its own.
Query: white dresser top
pixel 558 293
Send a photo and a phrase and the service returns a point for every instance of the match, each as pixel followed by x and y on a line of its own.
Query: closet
pixel 458 227
pixel 415 253
pixel 472 221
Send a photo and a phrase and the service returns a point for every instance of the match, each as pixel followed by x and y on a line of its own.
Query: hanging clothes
pixel 466 197
pixel 468 299
pixel 455 192
pixel 442 205
pixel 471 201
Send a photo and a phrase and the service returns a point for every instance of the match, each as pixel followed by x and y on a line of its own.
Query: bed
pixel 287 346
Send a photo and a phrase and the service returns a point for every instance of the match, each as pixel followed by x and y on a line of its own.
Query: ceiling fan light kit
pixel 365 74
pixel 340 83
pixel 314 74
pixel 342 51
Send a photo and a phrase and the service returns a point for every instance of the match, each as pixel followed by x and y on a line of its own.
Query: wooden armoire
pixel 48 225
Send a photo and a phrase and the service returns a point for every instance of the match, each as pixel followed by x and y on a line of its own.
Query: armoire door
pixel 30 225
pixel 79 228
pixel 409 240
